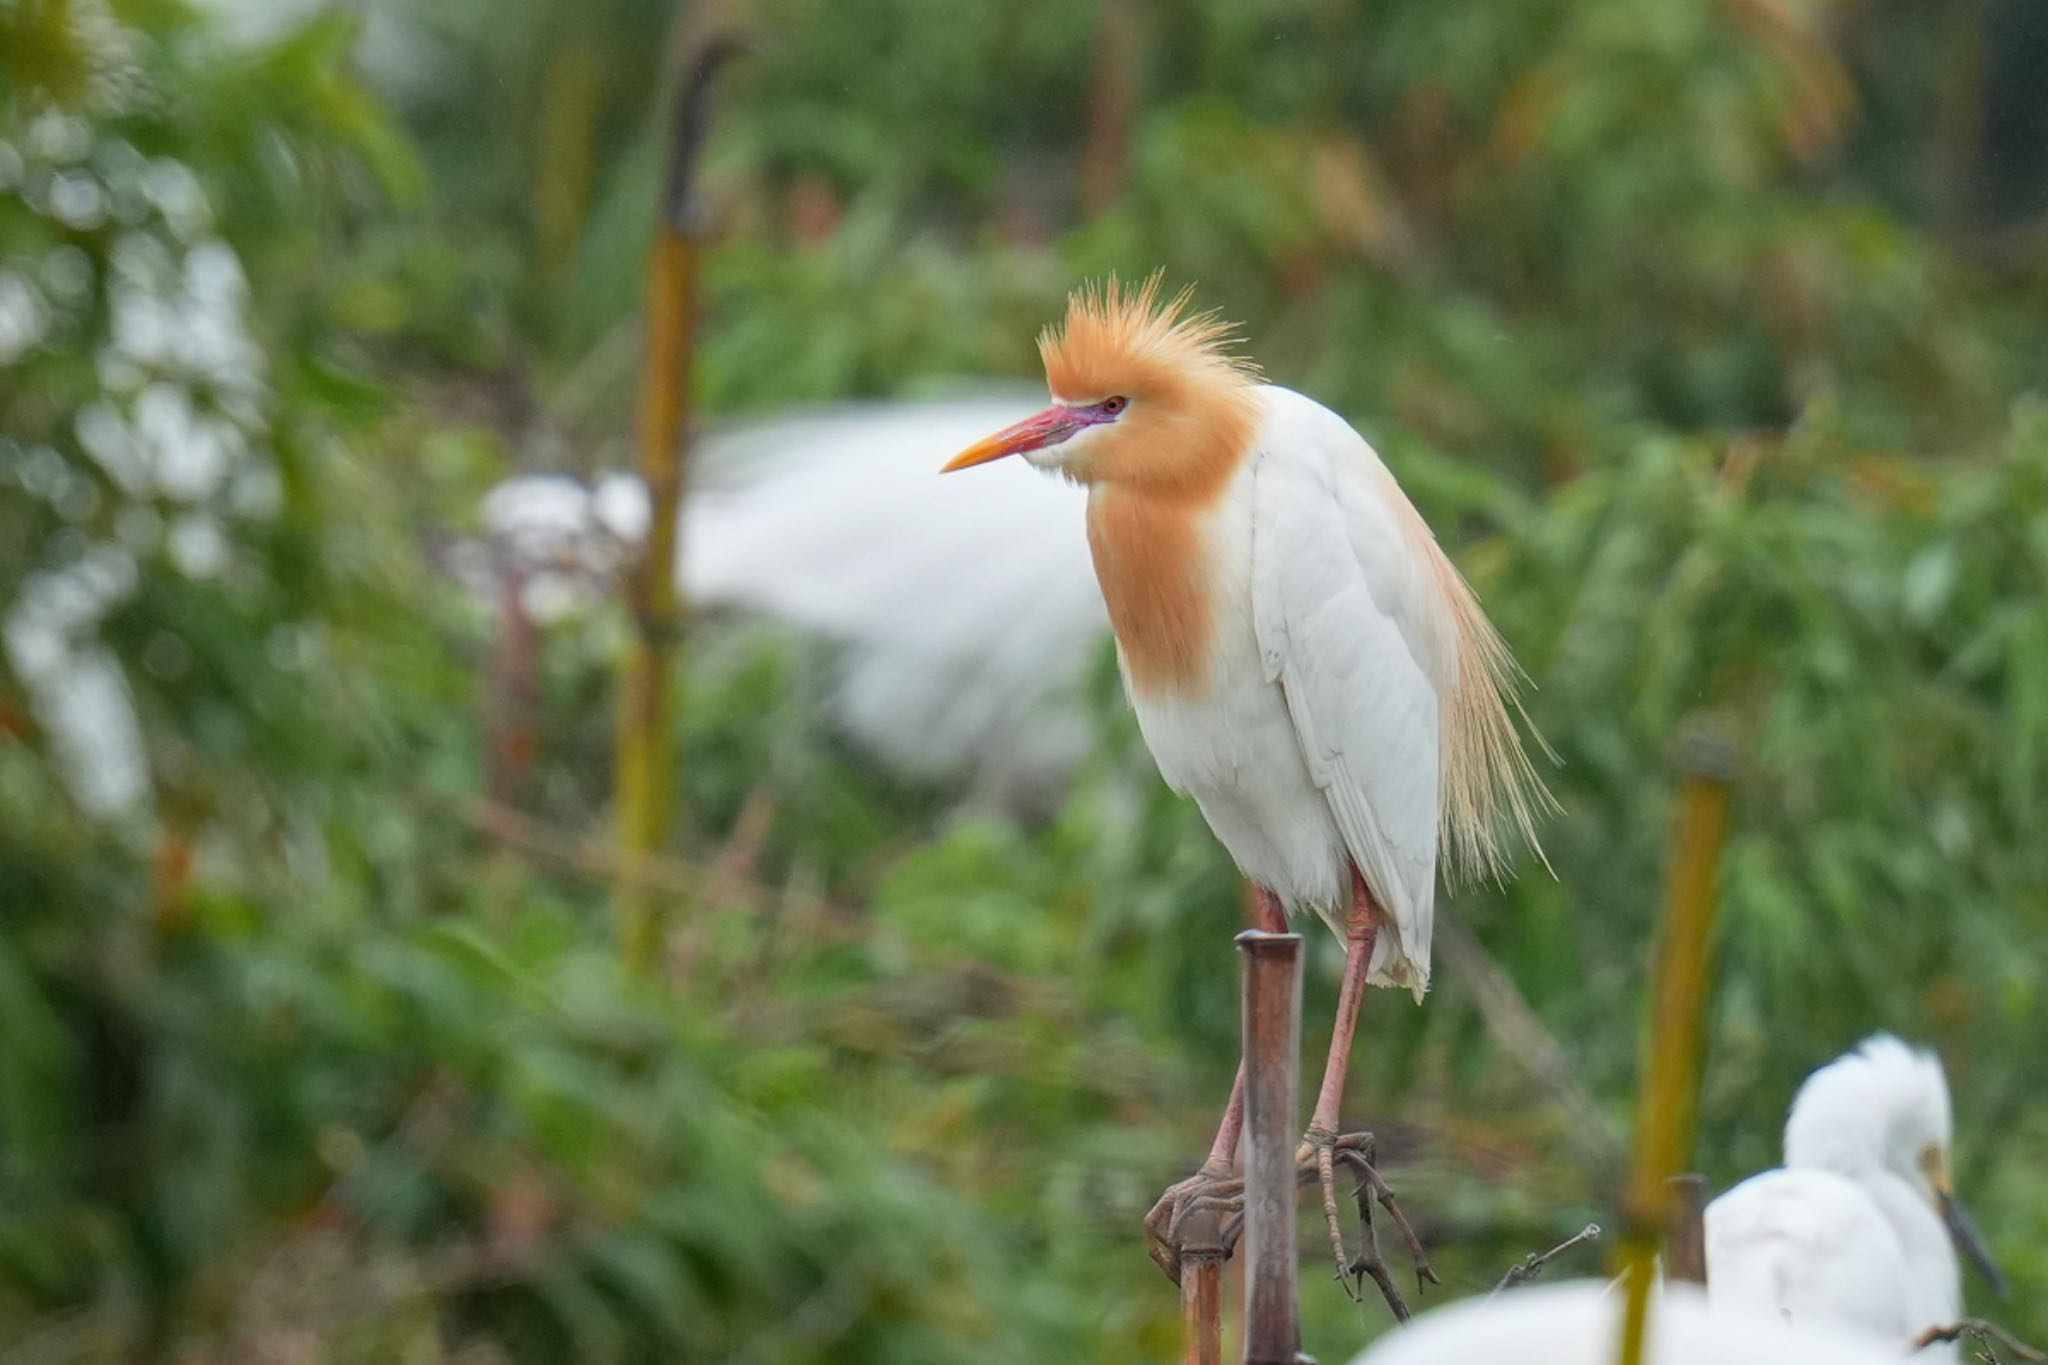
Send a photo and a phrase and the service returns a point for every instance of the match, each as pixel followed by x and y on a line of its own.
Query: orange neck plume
pixel 1193 410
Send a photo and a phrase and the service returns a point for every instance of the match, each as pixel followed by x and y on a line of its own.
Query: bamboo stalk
pixel 1118 65
pixel 644 767
pixel 1685 1236
pixel 570 93
pixel 1201 1289
pixel 1678 986
pixel 1272 1101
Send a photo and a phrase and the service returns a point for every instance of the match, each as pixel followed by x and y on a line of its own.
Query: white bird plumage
pixel 956 661
pixel 961 663
pixel 1851 1228
pixel 1328 671
pixel 1302 658
pixel 1579 1323
pixel 947 666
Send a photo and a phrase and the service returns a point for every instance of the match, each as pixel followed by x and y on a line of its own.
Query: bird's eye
pixel 1113 406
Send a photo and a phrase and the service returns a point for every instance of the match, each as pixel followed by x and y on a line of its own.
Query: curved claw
pixel 1319 1148
pixel 1206 1191
pixel 1316 1159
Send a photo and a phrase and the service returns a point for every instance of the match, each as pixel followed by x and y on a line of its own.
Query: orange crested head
pixel 1120 339
pixel 1145 395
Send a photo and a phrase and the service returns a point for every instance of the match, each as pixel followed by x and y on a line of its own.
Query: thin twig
pixel 654 871
pixel 735 864
pixel 1986 1333
pixel 1521 1033
pixel 1534 1264
pixel 604 865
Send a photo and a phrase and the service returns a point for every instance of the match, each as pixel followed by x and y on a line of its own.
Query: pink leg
pixel 1361 930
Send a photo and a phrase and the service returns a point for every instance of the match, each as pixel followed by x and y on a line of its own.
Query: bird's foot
pixel 1203 1212
pixel 1318 1159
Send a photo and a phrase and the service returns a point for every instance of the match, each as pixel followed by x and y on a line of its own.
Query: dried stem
pixel 1685 1232
pixel 1272 1091
pixel 1989 1334
pixel 1535 1264
pixel 643 765
pixel 1522 1035
pixel 1202 1253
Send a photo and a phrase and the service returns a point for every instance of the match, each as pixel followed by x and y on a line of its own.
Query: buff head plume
pixel 1127 339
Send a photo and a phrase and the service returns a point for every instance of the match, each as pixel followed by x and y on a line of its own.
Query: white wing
pixel 967 605
pixel 1351 625
pixel 1813 1247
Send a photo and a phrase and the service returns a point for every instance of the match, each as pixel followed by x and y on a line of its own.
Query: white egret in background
pixel 1579 1322
pixel 949 665
pixel 1303 659
pixel 1861 1225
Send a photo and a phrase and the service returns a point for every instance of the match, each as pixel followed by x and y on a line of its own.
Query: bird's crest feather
pixel 1845 1113
pixel 1127 339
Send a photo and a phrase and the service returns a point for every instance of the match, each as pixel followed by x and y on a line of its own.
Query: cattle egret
pixel 1303 659
pixel 1861 1224
pixel 1579 1323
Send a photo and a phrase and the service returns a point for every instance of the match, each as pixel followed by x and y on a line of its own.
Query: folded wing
pixel 1351 624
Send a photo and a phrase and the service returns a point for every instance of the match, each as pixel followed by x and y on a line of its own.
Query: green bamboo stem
pixel 645 766
pixel 1665 1113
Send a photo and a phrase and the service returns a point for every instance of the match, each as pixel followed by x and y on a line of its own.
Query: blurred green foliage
pixel 1687 325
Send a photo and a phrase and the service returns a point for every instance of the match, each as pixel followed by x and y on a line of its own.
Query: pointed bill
pixel 1962 1230
pixel 1047 428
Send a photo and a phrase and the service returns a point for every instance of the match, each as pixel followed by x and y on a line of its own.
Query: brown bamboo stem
pixel 1685 1238
pixel 512 695
pixel 1272 1101
pixel 1201 1289
pixel 1113 89
pixel 1678 998
pixel 644 768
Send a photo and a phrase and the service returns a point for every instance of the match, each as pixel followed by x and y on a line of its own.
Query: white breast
pixel 1234 750
pixel 1313 745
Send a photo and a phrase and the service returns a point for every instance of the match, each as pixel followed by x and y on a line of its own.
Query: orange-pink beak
pixel 1047 428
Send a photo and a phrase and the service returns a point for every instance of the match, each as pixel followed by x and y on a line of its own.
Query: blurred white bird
pixel 952 665
pixel 1579 1323
pixel 968 617
pixel 1861 1225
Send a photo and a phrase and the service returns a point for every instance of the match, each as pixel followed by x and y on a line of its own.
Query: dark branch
pixel 1985 1332
pixel 1535 1264
pixel 692 124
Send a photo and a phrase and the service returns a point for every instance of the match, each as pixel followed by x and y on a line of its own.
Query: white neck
pixel 1936 1292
